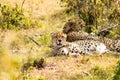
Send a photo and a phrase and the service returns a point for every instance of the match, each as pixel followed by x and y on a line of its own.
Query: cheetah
pixel 73 25
pixel 74 34
pixel 61 46
pixel 73 30
pixel 71 49
pixel 112 44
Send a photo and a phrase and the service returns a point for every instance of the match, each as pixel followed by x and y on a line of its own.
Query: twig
pixel 107 29
pixel 87 73
pixel 31 38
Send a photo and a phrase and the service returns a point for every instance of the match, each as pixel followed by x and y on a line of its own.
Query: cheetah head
pixel 73 25
pixel 58 39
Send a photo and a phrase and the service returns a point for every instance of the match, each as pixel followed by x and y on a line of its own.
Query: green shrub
pixel 44 40
pixel 97 14
pixel 99 73
pixel 13 18
pixel 39 63
pixel 117 72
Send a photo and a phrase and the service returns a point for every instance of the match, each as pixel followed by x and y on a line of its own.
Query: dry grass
pixel 16 49
pixel 37 7
pixel 66 68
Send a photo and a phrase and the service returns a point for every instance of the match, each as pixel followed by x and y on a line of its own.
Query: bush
pixel 13 18
pixel 97 14
pixel 117 72
pixel 44 40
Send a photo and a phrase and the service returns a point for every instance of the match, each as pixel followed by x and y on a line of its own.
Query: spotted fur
pixel 113 45
pixel 78 47
pixel 74 34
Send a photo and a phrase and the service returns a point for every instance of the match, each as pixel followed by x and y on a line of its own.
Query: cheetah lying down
pixel 73 30
pixel 61 47
pixel 76 49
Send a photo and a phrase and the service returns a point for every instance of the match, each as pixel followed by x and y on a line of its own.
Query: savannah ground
pixel 16 49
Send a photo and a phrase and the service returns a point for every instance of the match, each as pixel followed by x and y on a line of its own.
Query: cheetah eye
pixel 55 36
pixel 62 36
